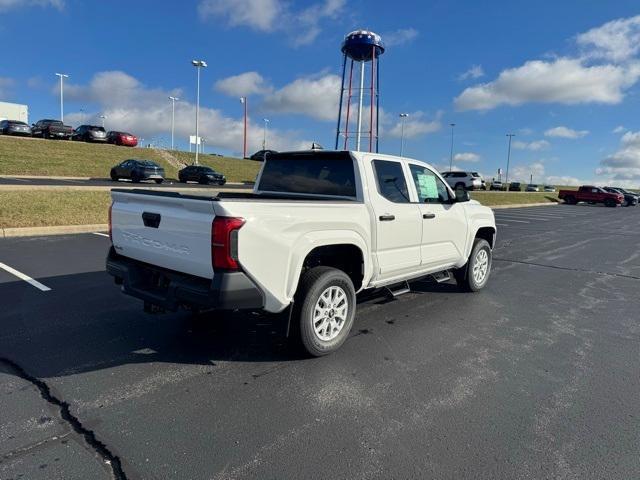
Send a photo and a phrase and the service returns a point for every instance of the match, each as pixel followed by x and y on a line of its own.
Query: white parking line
pixel 530 217
pixel 101 234
pixel 502 225
pixel 19 179
pixel 24 277
pixel 511 220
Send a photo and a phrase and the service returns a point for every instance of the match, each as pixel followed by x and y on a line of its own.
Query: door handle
pixel 387 218
pixel 428 215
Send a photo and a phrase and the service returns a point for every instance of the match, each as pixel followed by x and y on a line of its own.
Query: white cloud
pixel 566 180
pixel 565 132
pixel 563 80
pixel 268 16
pixel 523 173
pixel 400 36
pixel 619 129
pixel 5 87
pixel 474 72
pixel 526 131
pixel 244 84
pixel 466 157
pixel 130 105
pixel 13 4
pixel 533 146
pixel 624 164
pixel 314 96
pixel 415 125
pixel 617 40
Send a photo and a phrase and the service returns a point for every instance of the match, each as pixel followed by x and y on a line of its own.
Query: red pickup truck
pixel 591 194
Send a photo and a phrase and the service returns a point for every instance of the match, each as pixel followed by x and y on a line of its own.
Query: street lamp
pixel 451 155
pixel 199 64
pixel 403 116
pixel 264 134
pixel 173 116
pixel 510 135
pixel 62 77
pixel 243 101
pixel 103 118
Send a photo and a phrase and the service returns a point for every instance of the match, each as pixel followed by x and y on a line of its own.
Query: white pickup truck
pixel 319 227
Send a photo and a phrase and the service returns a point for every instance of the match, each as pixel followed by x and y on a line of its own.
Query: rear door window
pixel 391 181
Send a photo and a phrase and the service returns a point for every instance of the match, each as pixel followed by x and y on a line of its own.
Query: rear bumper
pixel 170 290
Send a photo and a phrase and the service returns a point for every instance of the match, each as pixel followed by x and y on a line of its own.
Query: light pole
pixel 506 180
pixel 103 117
pixel 173 116
pixel 199 64
pixel 451 154
pixel 62 77
pixel 264 133
pixel 243 101
pixel 403 117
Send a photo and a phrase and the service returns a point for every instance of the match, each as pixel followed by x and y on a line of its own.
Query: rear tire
pixel 324 310
pixel 159 180
pixel 475 274
pixel 135 178
pixel 570 200
pixel 114 177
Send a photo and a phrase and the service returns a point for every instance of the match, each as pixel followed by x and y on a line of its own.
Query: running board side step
pixel 401 289
pixel 441 277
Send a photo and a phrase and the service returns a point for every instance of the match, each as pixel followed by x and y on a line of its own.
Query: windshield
pixel 313 173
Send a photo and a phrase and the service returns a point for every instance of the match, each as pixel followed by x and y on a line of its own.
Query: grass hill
pixel 35 156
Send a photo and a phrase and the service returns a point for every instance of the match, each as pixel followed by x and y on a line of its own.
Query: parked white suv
pixel 319 227
pixel 467 180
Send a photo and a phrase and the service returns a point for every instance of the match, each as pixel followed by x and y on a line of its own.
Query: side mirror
pixel 462 195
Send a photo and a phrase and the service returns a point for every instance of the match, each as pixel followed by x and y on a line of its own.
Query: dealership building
pixel 14 111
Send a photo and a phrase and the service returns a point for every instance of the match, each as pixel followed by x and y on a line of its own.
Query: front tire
pixel 609 203
pixel 475 274
pixel 325 307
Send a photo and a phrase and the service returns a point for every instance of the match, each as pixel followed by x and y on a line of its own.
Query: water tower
pixel 360 47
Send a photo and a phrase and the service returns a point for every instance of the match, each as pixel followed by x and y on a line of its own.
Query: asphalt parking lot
pixel 103 182
pixel 534 377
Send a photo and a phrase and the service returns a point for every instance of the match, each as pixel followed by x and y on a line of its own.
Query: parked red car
pixel 122 138
pixel 591 194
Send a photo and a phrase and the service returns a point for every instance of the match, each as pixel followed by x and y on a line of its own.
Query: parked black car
pixel 90 133
pixel 48 128
pixel 200 174
pixel 14 127
pixel 137 170
pixel 629 197
pixel 260 154
pixel 515 187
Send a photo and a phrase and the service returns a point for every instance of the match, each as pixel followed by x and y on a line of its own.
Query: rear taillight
pixel 110 234
pixel 224 242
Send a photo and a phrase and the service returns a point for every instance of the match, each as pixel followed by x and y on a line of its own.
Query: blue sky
pixel 563 76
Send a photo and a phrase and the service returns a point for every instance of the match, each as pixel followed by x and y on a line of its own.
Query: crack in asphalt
pixel 570 269
pixel 109 458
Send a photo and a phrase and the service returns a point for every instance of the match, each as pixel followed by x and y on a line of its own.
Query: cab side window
pixel 429 187
pixel 391 182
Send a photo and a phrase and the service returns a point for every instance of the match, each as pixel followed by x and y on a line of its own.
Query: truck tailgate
pixel 164 229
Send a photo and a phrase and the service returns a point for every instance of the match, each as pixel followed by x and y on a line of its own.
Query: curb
pixel 58 230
